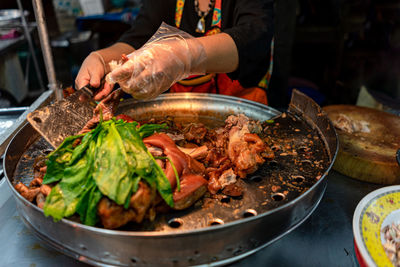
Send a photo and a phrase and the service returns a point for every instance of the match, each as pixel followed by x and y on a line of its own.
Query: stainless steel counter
pixel 8 116
pixel 324 239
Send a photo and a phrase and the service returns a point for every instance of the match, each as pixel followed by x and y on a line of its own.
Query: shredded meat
pixel 233 190
pixel 195 132
pixel 348 125
pixel 218 159
pixel 243 121
pixel 234 150
pixel 213 182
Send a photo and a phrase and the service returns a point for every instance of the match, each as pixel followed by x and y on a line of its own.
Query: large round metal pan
pixel 201 241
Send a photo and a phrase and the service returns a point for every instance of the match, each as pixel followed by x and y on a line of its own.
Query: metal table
pixel 324 239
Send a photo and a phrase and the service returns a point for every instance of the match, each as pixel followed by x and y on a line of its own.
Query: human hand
pixel 91 72
pixel 169 56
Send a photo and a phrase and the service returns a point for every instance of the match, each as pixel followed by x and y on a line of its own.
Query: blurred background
pixel 336 51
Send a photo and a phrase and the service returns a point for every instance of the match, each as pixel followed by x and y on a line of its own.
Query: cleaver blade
pixel 63 118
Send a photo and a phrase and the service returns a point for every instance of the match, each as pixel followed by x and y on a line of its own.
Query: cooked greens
pixel 109 161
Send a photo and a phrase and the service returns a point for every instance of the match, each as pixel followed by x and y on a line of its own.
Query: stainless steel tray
pixel 10 129
pixel 218 244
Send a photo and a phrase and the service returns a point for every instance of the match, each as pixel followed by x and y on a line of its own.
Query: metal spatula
pixel 64 118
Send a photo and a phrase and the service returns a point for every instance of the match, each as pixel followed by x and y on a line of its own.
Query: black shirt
pixel 248 22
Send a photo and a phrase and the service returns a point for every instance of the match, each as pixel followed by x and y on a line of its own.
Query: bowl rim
pixel 361 206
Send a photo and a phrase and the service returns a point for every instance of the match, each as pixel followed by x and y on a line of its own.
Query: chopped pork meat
pixel 105 109
pixel 233 190
pixel 195 152
pixel 195 132
pixel 348 125
pixel 40 200
pixel 193 187
pixel 190 172
pixel 28 193
pixel 45 189
pixel 113 216
pixel 36 182
pixel 36 190
pixel 176 137
pixel 241 121
pixel 206 160
pixel 245 148
pixel 227 177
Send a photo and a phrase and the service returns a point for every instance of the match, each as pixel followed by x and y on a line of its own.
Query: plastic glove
pixel 91 72
pixel 169 56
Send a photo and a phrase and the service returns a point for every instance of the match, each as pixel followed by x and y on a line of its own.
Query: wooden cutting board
pixel 367 151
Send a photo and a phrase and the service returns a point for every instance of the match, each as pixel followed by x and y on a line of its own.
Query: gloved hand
pixel 91 72
pixel 169 56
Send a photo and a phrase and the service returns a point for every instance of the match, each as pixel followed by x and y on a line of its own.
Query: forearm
pixel 114 52
pixel 169 58
pixel 222 53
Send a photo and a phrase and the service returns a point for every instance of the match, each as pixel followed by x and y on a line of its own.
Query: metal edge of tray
pixel 233 241
pixel 13 111
pixel 185 239
pixel 5 139
pixel 5 192
pixel 244 255
pixel 222 103
pixel 51 244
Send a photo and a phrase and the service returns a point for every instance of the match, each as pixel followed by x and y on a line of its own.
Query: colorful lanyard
pixel 216 19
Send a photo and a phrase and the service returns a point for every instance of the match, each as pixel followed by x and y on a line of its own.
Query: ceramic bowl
pixel 375 211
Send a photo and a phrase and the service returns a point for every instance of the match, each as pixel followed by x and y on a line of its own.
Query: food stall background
pixel 334 51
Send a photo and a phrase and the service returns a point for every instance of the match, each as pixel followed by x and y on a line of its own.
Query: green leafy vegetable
pixel 112 172
pixel 109 161
pixel 87 206
pixel 148 129
pixel 58 159
pixel 178 182
pixel 162 184
pixel 64 197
